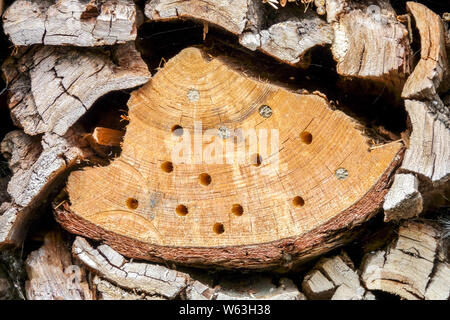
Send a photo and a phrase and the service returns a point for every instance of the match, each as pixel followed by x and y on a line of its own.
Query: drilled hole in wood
pixel 218 228
pixel 298 201
pixel 257 160
pixel 205 179
pixel 306 137
pixel 182 210
pixel 167 166
pixel 237 210
pixel 132 203
pixel 177 130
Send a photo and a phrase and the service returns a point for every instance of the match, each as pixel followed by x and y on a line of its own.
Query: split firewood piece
pixel 369 42
pixel 70 22
pixel 120 279
pixel 412 267
pixel 335 278
pixel 260 288
pixel 142 277
pixel 52 87
pixel 52 274
pixel 432 68
pixel 36 165
pixel 108 137
pixel 291 193
pixel 108 291
pixel 286 34
pixel 429 145
pixel 404 200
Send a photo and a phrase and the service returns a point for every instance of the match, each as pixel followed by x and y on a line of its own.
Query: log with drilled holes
pixel 187 189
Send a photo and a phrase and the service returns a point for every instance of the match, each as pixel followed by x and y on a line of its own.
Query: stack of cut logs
pixel 334 210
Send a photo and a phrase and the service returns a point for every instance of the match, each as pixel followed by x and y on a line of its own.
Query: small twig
pixel 385 144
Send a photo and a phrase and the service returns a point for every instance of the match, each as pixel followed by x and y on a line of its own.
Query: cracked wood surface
pixel 52 274
pixel 428 154
pixel 144 277
pixel 266 212
pixel 369 42
pixel 120 279
pixel 70 22
pixel 36 164
pixel 287 36
pixel 412 267
pixel 335 278
pixel 52 87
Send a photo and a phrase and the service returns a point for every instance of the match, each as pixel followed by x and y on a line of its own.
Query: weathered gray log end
pixel 335 278
pixel 52 274
pixel 36 164
pixel 411 267
pixel 70 22
pixel 52 87
pixel 403 201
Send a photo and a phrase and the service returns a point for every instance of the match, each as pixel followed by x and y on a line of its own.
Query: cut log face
pixel 70 22
pixel 266 205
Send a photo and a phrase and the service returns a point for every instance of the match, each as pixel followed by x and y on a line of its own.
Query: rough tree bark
pixel 52 87
pixel 70 22
pixel 286 37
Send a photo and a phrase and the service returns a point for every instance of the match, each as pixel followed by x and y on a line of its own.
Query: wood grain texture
pixel 52 274
pixel 335 278
pixel 285 34
pixel 412 267
pixel 52 87
pixel 149 278
pixel 403 201
pixel 430 140
pixel 286 210
pixel 70 22
pixel 369 42
pixel 429 144
pixel 36 164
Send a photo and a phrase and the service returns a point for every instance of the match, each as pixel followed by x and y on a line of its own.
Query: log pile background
pixel 68 68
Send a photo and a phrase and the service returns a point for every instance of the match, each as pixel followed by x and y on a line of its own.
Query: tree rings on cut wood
pixel 209 210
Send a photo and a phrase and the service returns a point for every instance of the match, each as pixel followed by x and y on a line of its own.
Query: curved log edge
pixel 284 253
